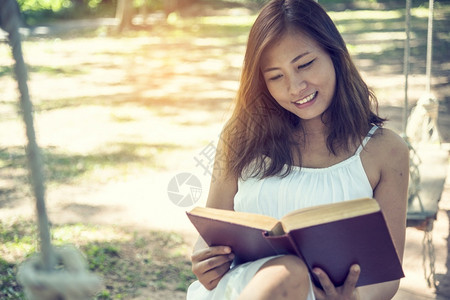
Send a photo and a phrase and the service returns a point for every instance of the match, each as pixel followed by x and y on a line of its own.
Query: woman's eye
pixel 306 65
pixel 275 77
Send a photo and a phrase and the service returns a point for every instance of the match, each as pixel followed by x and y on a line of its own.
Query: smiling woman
pixel 304 132
pixel 318 57
pixel 299 75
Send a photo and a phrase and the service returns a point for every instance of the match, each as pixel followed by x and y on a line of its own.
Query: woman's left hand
pixel 347 291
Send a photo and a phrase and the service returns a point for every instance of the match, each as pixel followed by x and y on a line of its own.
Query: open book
pixel 331 236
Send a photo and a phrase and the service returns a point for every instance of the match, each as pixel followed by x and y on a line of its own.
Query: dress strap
pixel 366 139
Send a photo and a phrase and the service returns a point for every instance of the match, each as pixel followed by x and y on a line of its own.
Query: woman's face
pixel 299 74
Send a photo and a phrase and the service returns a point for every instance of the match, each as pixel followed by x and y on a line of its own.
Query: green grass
pixel 46 70
pixel 9 288
pixel 61 167
pixel 125 260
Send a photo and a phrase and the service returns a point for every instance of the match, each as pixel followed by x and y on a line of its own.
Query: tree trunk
pixel 169 6
pixel 124 13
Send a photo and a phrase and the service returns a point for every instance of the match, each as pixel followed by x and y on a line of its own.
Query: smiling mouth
pixel 306 99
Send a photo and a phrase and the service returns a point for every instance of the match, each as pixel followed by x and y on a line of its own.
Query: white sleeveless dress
pixel 276 197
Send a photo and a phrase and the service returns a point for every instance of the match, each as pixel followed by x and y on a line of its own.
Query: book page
pixel 242 218
pixel 328 213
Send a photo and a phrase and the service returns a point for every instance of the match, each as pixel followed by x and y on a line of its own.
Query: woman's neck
pixel 314 129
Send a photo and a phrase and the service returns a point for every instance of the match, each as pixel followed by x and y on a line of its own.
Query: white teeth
pixel 306 99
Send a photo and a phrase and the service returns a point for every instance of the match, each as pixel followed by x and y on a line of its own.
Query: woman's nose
pixel 297 85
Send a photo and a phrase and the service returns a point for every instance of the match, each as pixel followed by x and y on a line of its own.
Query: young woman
pixel 304 132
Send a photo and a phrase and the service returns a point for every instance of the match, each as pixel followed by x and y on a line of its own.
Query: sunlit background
pixel 123 103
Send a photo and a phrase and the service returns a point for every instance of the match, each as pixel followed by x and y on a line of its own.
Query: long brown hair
pixel 260 127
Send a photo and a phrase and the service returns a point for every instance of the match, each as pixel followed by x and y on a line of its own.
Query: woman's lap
pixel 232 284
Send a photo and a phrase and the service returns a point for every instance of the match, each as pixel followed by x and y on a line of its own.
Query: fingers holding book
pixel 210 264
pixel 329 291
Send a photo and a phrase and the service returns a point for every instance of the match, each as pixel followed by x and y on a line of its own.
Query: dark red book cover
pixel 247 243
pixel 333 246
pixel 363 240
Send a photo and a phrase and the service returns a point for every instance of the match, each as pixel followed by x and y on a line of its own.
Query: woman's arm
pixel 386 162
pixel 390 156
pixel 209 264
pixel 223 186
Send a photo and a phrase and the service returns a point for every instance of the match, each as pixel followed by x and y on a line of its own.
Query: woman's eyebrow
pixel 299 56
pixel 292 62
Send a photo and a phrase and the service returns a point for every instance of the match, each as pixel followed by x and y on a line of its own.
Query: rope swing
pixel 422 126
pixel 428 160
pixel 55 273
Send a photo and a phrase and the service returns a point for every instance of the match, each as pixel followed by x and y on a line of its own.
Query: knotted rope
pixel 56 273
pixel 422 126
pixel 420 129
pixel 69 280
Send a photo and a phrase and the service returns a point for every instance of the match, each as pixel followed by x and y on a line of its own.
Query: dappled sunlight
pixel 218 42
pixel 206 66
pixel 384 36
pixel 365 15
pixel 235 20
pixel 136 109
pixel 418 12
pixel 173 84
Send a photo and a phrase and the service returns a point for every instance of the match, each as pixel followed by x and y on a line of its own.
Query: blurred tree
pixel 126 9
pixel 124 13
pixel 171 6
pixel 41 11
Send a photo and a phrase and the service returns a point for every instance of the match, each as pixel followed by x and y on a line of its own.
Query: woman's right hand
pixel 210 264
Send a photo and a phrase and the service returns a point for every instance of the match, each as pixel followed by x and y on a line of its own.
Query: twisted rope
pixel 421 129
pixel 57 273
pixel 9 21
pixel 406 63
pixel 429 45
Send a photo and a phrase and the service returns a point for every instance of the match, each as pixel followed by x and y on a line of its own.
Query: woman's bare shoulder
pixel 386 136
pixel 388 146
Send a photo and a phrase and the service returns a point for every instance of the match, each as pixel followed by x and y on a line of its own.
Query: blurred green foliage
pixel 41 11
pixel 38 11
